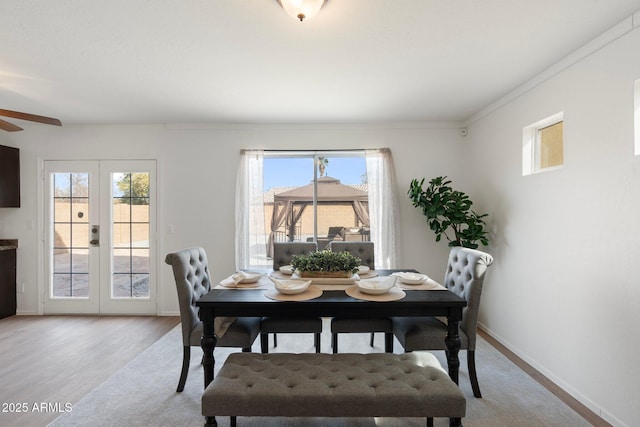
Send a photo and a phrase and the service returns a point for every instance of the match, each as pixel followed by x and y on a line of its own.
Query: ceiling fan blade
pixel 9 127
pixel 30 117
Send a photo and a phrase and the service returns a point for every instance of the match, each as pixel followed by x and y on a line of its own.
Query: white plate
pixel 412 278
pixel 251 278
pixel 376 286
pixel 291 287
pixel 363 269
pixel 286 269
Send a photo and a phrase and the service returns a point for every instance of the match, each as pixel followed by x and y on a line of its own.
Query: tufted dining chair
pixel 364 251
pixel 464 276
pixel 283 252
pixel 191 274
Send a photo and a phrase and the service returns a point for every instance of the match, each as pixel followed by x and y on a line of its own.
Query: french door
pixel 99 221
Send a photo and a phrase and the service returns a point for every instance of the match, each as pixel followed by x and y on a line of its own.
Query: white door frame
pixel 99 300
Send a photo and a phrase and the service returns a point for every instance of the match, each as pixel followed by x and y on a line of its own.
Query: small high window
pixel 542 145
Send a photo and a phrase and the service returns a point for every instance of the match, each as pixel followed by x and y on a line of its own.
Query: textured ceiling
pixel 247 61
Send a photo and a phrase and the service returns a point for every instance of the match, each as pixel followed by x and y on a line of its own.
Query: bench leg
pixel 264 343
pixel 316 342
pixel 334 342
pixel 232 422
pixel 429 422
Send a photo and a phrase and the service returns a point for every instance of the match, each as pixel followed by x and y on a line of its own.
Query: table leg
pixel 453 346
pixel 208 343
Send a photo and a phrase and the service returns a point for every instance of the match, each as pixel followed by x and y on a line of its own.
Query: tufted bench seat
pixel 333 385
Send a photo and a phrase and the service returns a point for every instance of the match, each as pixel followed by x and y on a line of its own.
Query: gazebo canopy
pixel 329 190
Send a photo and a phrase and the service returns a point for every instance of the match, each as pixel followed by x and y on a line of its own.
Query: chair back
pixel 284 251
pixel 464 277
pixel 362 250
pixel 191 273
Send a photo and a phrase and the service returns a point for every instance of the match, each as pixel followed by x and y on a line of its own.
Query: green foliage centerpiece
pixel 326 263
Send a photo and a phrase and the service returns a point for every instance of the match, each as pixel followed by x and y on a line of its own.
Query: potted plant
pixel 449 213
pixel 325 263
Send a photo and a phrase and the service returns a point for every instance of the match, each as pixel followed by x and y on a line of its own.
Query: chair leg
pixel 275 340
pixel 429 421
pixel 264 343
pixel 334 342
pixel 388 342
pixel 186 358
pixel 471 365
pixel 316 342
pixel 371 339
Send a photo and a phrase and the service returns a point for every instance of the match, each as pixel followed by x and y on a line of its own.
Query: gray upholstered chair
pixel 464 276
pixel 283 252
pixel 191 274
pixel 364 251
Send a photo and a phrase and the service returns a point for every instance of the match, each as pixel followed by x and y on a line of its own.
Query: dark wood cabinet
pixel 7 282
pixel 9 177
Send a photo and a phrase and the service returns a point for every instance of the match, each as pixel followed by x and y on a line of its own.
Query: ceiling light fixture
pixel 302 9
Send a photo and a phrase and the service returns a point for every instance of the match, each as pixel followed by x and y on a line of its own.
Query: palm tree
pixel 323 162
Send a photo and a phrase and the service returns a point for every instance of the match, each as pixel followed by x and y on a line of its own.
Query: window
pixel 543 145
pixel 341 208
pixel 316 196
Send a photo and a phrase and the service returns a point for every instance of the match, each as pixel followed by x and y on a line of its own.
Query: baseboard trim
pixel 586 413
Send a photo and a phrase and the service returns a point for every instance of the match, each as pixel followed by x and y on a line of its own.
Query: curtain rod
pixel 338 150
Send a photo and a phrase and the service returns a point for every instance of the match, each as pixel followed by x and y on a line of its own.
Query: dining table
pixel 229 302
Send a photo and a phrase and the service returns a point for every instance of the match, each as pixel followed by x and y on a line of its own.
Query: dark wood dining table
pixel 332 303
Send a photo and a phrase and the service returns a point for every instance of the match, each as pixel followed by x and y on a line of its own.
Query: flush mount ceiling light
pixel 302 9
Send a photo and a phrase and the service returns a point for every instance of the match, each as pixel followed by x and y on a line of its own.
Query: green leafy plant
pixel 449 210
pixel 326 261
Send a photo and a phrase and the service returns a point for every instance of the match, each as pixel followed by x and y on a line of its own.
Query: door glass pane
pixel 71 230
pixel 130 235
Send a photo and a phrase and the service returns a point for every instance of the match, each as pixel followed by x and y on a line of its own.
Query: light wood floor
pixel 58 359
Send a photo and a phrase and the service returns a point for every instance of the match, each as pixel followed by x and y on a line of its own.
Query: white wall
pixel 564 290
pixel 196 173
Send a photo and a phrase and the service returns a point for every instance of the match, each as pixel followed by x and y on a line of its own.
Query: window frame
pixel 531 145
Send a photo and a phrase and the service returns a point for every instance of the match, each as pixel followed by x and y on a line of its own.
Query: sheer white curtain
pixel 251 242
pixel 383 207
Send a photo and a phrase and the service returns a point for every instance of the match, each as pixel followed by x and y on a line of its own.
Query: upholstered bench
pixel 333 385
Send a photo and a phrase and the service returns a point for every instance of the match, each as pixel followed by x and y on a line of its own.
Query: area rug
pixel 143 392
